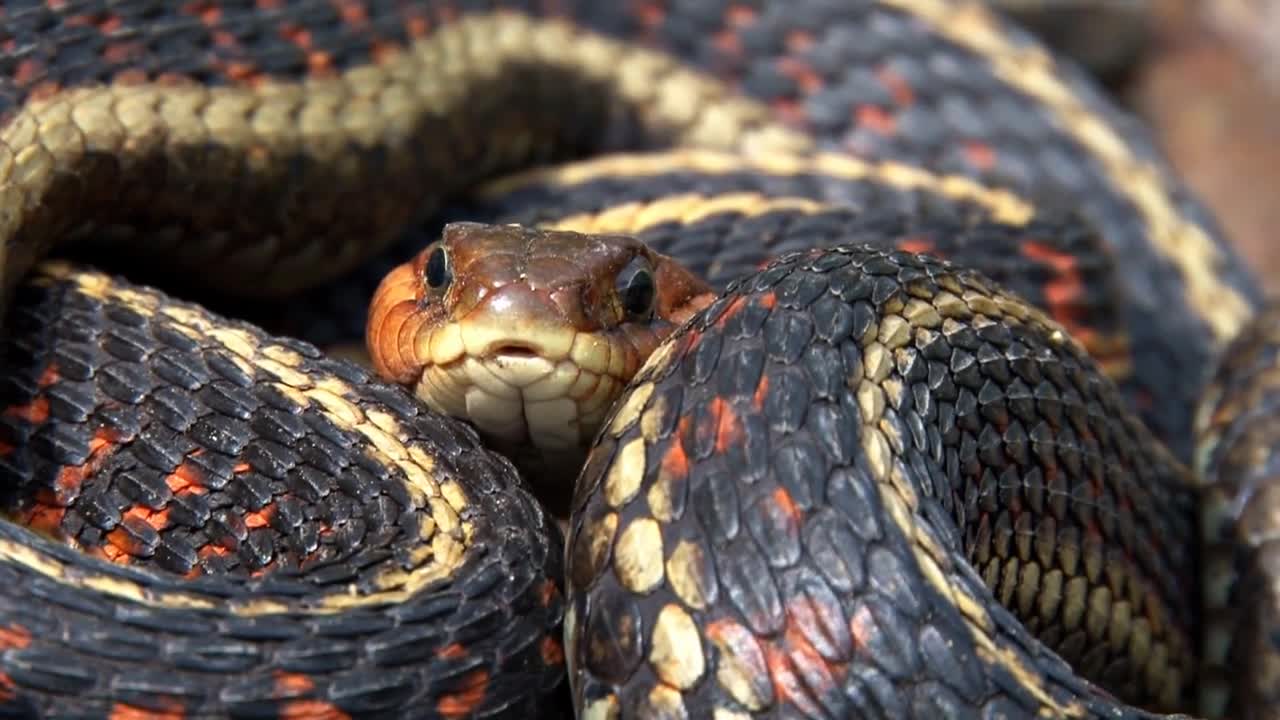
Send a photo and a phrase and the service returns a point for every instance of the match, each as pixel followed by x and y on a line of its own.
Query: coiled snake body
pixel 910 431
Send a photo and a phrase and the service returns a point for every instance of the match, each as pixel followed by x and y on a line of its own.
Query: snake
pixel 724 359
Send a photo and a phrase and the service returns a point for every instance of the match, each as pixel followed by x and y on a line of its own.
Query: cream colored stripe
pixel 1031 70
pixel 1003 205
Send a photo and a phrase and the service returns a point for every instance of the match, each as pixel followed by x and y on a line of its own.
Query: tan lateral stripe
pixel 1003 205
pixel 1031 70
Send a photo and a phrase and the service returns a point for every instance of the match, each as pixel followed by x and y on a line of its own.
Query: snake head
pixel 529 334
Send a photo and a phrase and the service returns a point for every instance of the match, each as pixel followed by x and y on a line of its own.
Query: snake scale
pixel 727 359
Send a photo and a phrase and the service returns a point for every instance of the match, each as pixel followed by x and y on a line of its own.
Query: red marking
pixel 799 40
pixel 418 27
pixel 185 480
pixel 789 111
pixel 803 73
pixel 119 53
pixel 243 72
pixel 919 246
pixel 222 38
pixel 762 391
pixel 980 155
pixel 259 518
pixel 45 518
pixel 36 411
pixel 740 644
pixel 125 711
pixel 384 52
pixel 730 310
pixel 767 300
pixel 8 688
pixel 311 710
pixel 651 14
pixel 5 448
pixel 875 118
pixel 552 652
pixel 241 467
pixel 898 87
pixel 353 12
pixel 26 71
pixel 71 478
pixel 727 42
pixel 548 592
pixel 788 506
pixel 452 651
pixel 739 15
pixel 1064 290
pixel 49 376
pixel 14 637
pixel 157 519
pixel 270 4
pixel 675 462
pixel 465 701
pixel 212 550
pixel 728 426
pixel 209 12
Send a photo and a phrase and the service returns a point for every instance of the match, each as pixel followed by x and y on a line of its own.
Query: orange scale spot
pixel 767 300
pixel 311 710
pixel 320 64
pixel 547 592
pixel 14 637
pixel 418 27
pixel 761 393
pixel 898 87
pixel 297 35
pixel 727 42
pixel 731 310
pixel 259 518
pixel 799 40
pixel 452 651
pixel 211 550
pixel 44 518
pixel 552 651
pixel 222 38
pixel 980 155
pixel 384 52
pixel 464 702
pixel 173 710
pixel 675 462
pixel 36 411
pixel 919 246
pixel 210 13
pixel 803 73
pixel 49 376
pixel 728 425
pixel 8 689
pixel 875 118
pixel 651 14
pixel 241 467
pixel 789 111
pixel 782 498
pixel 157 519
pixel 739 15
pixel 352 12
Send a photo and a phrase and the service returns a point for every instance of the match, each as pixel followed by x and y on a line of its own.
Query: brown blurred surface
pixel 1209 84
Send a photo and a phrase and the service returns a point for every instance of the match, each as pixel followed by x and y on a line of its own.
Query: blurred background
pixel 1205 74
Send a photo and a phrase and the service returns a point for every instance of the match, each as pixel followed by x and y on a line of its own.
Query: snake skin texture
pixel 865 481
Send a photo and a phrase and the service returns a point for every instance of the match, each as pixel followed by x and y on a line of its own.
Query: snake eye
pixel 636 288
pixel 438 272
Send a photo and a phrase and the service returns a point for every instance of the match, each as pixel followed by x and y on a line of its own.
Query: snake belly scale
pixel 859 480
